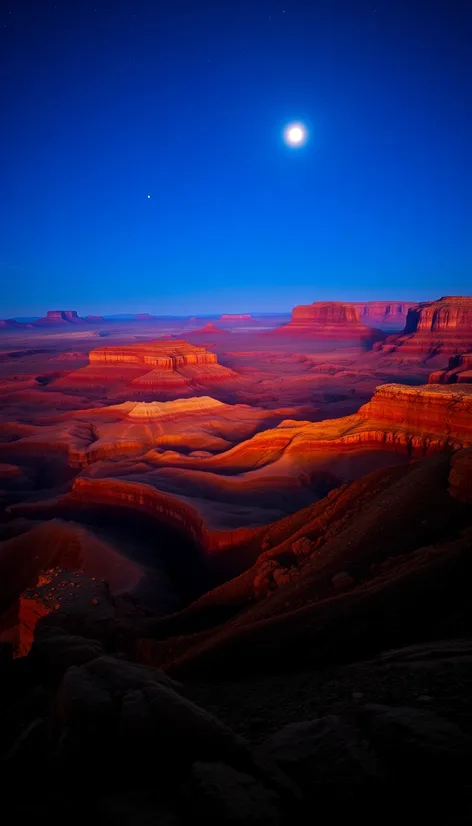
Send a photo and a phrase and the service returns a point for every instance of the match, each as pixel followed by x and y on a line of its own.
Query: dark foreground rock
pixel 146 753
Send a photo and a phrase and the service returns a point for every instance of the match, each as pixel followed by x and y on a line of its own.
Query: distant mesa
pixel 235 316
pixel 208 328
pixel 442 327
pixel 384 314
pixel 58 318
pixel 164 355
pixel 145 317
pixel 11 324
pixel 94 319
pixel 166 367
pixel 326 320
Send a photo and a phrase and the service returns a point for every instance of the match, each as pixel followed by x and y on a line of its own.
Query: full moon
pixel 295 134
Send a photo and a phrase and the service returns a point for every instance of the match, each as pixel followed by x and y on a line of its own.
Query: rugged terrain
pixel 281 521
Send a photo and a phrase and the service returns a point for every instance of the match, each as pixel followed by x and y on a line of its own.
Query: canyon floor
pixel 284 523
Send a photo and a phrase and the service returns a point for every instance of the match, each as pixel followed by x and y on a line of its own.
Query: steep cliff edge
pixel 433 328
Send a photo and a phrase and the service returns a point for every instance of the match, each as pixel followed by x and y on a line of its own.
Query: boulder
pixel 54 650
pixel 323 756
pixel 416 744
pixel 219 794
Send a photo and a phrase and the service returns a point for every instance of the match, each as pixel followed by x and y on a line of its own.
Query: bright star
pixel 149 196
pixel 295 134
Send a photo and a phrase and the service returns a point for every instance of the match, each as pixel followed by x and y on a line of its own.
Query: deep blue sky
pixel 103 103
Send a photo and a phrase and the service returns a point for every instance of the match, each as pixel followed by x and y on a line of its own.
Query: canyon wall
pixel 384 313
pixel 430 408
pixel 434 328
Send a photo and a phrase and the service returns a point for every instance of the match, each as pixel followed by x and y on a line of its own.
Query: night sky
pixel 105 103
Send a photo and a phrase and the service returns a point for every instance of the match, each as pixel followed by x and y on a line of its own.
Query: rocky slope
pixel 326 320
pixel 442 327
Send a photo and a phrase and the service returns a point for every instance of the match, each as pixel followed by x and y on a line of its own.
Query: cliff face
pixel 162 354
pixel 434 328
pixel 387 314
pixel 431 409
pixel 326 320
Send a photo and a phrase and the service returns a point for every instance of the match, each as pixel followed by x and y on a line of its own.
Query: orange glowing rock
pixel 326 320
pixel 433 328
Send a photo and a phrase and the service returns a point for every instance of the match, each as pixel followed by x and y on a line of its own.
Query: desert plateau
pixel 232 503
pixel 236 412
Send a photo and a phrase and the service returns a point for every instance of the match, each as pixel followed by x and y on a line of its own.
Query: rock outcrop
pixel 94 319
pixel 434 408
pixel 442 327
pixel 326 320
pixel 459 370
pixel 384 314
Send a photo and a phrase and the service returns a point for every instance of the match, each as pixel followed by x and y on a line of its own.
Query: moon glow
pixel 295 134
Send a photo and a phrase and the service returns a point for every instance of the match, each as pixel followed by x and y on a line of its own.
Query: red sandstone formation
pixel 168 368
pixel 385 314
pixel 209 329
pixel 164 355
pixel 326 320
pixel 94 319
pixel 57 318
pixel 442 327
pixel 392 537
pixel 458 370
pixel 217 500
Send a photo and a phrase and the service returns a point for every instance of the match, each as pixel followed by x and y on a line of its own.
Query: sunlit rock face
pixel 164 355
pixel 166 368
pixel 434 328
pixel 433 409
pixel 326 320
pixel 385 314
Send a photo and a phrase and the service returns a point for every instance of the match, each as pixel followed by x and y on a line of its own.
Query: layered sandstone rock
pixel 168 368
pixel 434 328
pixel 162 354
pixel 326 320
pixel 459 370
pixel 429 409
pixel 386 314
